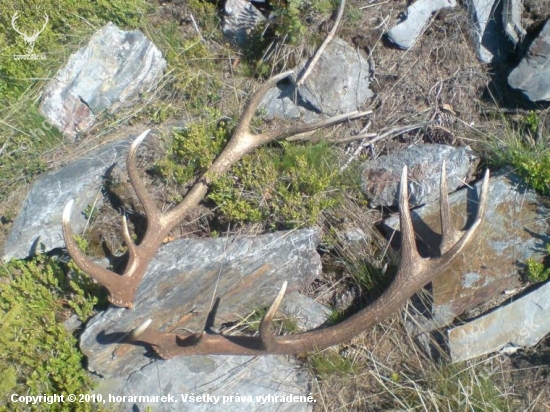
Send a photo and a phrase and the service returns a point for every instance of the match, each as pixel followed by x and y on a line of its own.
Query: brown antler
pixel 122 288
pixel 414 273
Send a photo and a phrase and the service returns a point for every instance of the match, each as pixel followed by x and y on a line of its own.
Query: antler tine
pixel 266 330
pixel 409 253
pixel 444 260
pixel 151 210
pixel 449 234
pixel 414 272
pixel 116 285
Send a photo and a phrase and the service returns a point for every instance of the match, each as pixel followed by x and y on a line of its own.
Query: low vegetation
pixel 38 355
pixel 525 148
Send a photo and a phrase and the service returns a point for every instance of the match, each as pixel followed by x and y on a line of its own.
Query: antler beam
pixel 122 288
pixel 413 274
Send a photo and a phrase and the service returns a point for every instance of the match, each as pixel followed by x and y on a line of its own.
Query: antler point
pixel 66 217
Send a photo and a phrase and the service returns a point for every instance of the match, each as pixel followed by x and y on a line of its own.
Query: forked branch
pixel 122 288
pixel 413 274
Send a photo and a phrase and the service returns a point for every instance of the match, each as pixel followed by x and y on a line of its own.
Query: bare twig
pixel 321 49
pixel 358 149
pixel 383 134
pixel 196 27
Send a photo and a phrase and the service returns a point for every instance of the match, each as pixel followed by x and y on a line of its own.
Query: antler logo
pixel 30 40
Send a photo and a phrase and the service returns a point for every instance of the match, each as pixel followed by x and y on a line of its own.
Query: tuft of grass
pixel 519 147
pixel 444 387
pixel 330 362
pixel 361 379
pixel 283 324
pixel 37 353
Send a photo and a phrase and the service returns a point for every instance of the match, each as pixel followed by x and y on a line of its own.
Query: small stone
pixel 241 17
pixel 308 313
pixel 522 323
pixel 483 28
pixel 339 82
pixel 532 76
pixel 380 177
pixel 416 18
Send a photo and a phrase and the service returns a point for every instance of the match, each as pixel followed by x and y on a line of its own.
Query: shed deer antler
pixel 414 273
pixel 122 288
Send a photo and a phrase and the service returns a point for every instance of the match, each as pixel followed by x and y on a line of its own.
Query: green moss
pixel 287 186
pixel 38 353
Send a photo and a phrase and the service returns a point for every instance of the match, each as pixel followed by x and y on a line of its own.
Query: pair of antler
pixel 414 272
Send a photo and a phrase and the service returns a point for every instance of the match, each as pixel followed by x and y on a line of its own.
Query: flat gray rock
pixel 380 177
pixel 38 223
pixel 184 278
pixel 308 313
pixel 279 103
pixel 483 28
pixel 240 18
pixel 514 230
pixel 206 383
pixel 511 20
pixel 522 323
pixel 339 82
pixel 112 70
pixel 415 20
pixel 532 76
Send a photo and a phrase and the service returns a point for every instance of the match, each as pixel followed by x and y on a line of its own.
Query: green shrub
pixel 538 271
pixel 192 150
pixel 286 186
pixel 37 354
